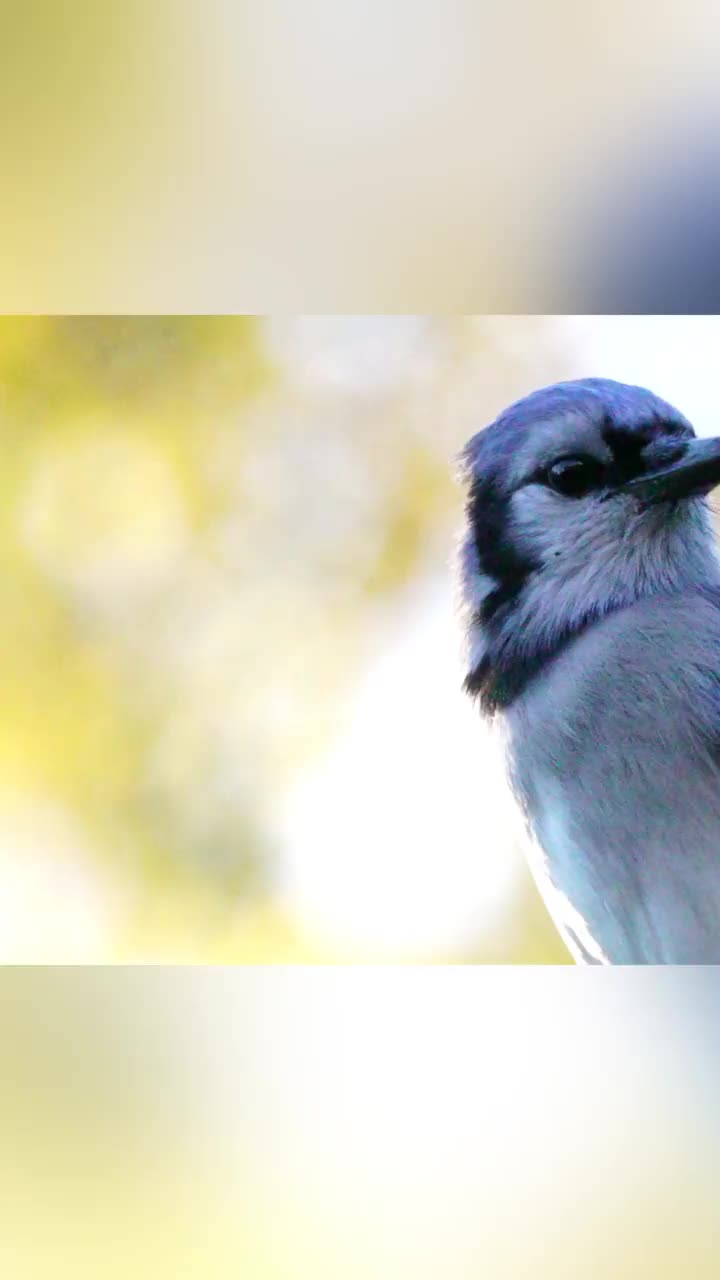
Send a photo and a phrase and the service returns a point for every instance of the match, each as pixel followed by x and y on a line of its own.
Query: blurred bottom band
pixel 359 1122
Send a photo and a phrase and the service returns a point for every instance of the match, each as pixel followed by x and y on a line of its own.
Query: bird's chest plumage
pixel 614 757
pixel 576 887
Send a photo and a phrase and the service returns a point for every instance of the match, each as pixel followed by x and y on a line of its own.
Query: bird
pixel 589 587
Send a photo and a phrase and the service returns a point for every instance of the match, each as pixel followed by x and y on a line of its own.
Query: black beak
pixel 695 471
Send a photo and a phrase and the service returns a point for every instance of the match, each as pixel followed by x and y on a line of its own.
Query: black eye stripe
pixel 643 448
pixel 633 454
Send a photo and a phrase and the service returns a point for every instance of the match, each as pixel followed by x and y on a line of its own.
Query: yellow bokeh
pixel 208 525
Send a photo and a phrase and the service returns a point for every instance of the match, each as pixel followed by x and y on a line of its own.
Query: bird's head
pixel 581 498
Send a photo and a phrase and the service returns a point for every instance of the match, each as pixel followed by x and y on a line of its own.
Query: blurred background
pixel 311 1124
pixel 231 719
pixel 257 155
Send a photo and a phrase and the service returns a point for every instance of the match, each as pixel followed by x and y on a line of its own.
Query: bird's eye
pixel 574 477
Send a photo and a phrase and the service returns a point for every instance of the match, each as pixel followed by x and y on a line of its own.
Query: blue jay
pixel 590 586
